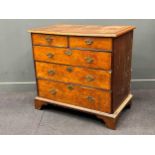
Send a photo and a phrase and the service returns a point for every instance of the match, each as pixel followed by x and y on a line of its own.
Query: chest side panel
pixel 121 75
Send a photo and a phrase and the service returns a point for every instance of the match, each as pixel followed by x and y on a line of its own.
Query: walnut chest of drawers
pixel 84 67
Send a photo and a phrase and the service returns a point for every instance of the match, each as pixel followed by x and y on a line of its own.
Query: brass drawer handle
pixel 70 87
pixel 69 53
pixel 89 59
pixel 49 39
pixel 53 91
pixel 51 72
pixel 90 99
pixel 90 78
pixel 89 41
pixel 69 69
pixel 50 55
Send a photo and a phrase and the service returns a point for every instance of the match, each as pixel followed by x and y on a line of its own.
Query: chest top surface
pixel 84 30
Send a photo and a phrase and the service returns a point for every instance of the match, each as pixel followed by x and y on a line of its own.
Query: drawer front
pixel 90 59
pixel 49 40
pixel 90 42
pixel 75 95
pixel 69 74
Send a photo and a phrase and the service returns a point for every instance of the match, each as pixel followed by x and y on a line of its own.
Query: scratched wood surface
pixel 84 30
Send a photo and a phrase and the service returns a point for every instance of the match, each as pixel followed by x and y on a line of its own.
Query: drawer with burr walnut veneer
pixel 78 75
pixel 84 67
pixel 69 93
pixel 66 56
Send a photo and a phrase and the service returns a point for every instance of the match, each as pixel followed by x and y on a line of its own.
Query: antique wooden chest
pixel 84 67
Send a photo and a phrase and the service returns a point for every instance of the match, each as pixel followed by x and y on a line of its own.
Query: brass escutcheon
pixel 90 99
pixel 49 39
pixel 69 53
pixel 53 91
pixel 50 55
pixel 51 72
pixel 89 41
pixel 69 69
pixel 70 87
pixel 89 59
pixel 90 78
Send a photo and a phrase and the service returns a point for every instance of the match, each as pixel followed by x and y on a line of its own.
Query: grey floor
pixel 18 116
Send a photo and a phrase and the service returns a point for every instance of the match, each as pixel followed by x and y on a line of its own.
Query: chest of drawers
pixel 84 67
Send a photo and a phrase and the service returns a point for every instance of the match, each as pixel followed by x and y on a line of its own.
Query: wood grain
pixel 95 43
pixel 69 74
pixel 49 40
pixel 84 30
pixel 121 74
pixel 101 60
pixel 79 96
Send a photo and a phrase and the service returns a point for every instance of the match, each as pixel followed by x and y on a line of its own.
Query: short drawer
pixel 101 60
pixel 78 75
pixel 91 43
pixel 75 95
pixel 49 40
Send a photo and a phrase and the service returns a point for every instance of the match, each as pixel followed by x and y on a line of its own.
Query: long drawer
pixel 79 75
pixel 101 60
pixel 75 95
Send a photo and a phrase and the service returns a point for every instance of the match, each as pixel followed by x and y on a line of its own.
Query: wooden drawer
pixel 91 42
pixel 49 40
pixel 79 75
pixel 76 95
pixel 90 59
